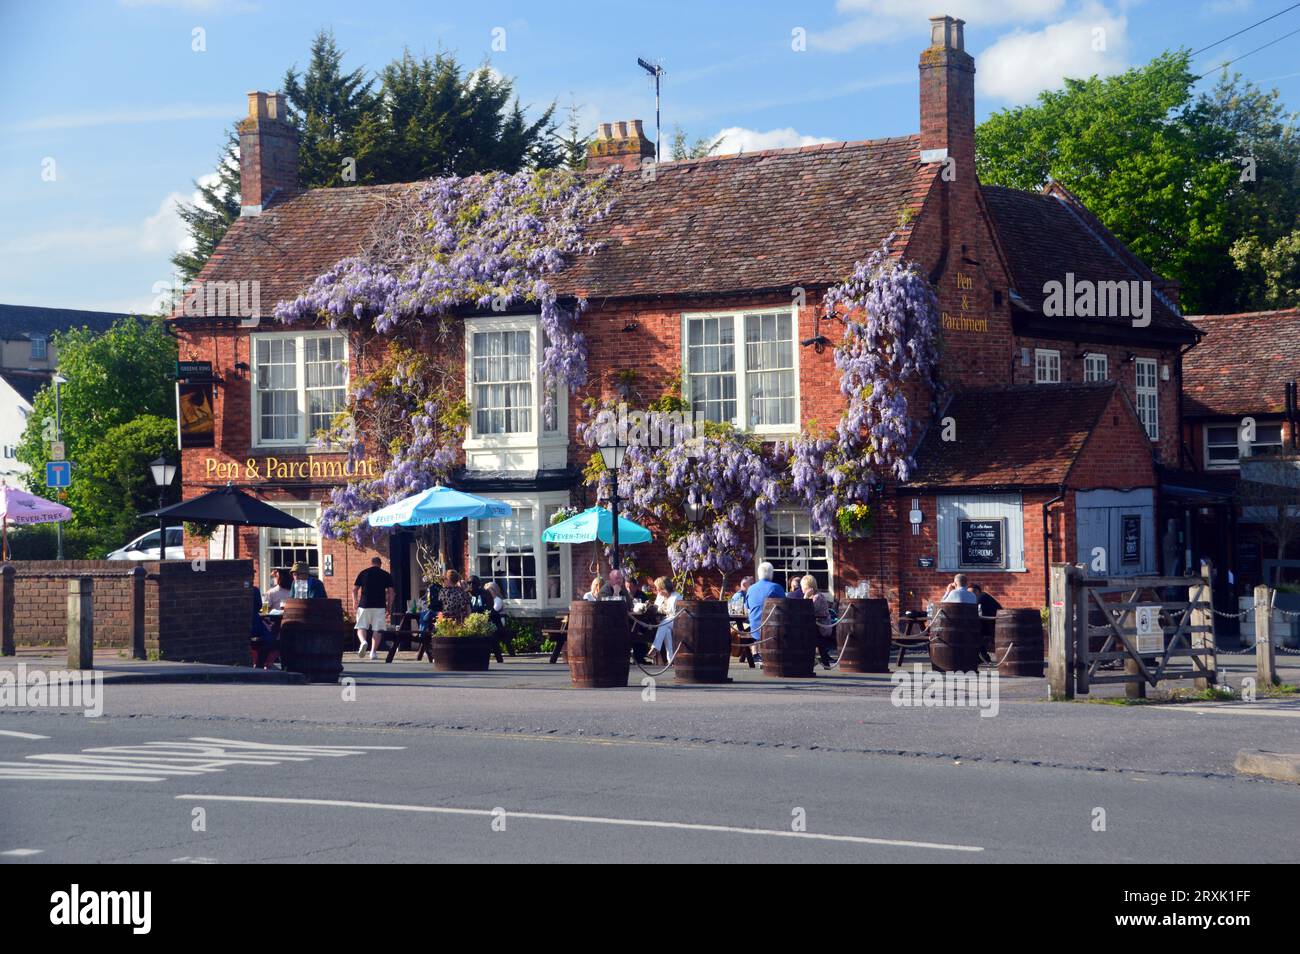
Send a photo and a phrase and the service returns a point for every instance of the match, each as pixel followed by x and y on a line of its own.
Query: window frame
pixel 539 502
pixel 1152 427
pixel 537 435
pixel 742 369
pixel 303 439
pixel 1245 449
pixel 761 555
pixel 44 342
pixel 1040 353
pixel 1089 359
pixel 295 508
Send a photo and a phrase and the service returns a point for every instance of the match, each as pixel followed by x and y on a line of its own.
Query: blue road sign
pixel 58 473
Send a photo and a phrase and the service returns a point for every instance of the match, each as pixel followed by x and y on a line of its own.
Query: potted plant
pixel 855 521
pixel 462 646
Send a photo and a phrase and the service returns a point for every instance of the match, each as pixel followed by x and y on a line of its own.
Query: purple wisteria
pixel 487 241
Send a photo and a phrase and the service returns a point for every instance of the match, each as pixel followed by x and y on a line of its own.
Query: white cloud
pixel 160 235
pixel 1023 63
pixel 739 139
pixel 879 21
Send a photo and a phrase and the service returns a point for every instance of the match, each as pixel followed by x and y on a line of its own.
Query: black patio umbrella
pixel 232 507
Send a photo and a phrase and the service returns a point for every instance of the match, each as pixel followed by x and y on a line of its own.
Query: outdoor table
pixel 403 635
pixel 912 625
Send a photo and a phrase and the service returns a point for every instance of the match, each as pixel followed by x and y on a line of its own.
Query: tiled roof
pixel 1242 363
pixel 26 383
pixel 19 322
pixel 1028 435
pixel 771 219
pixel 761 220
pixel 1047 234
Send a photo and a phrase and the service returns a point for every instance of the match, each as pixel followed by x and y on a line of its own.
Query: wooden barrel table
pixel 955 638
pixel 598 643
pixel 789 638
pixel 313 635
pixel 701 641
pixel 863 635
pixel 1018 642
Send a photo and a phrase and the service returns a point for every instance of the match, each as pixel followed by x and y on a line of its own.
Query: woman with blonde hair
pixel 593 591
pixel 822 616
pixel 666 604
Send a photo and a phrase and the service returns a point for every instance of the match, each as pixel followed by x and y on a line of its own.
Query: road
pixel 428 768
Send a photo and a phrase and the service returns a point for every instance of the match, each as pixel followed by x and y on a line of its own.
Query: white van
pixel 145 547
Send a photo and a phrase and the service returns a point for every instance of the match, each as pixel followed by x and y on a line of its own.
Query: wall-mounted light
pixel 1130 358
pixel 242 368
pixel 631 326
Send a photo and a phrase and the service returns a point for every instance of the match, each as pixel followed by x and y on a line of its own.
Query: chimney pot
pixel 623 143
pixel 948 33
pixel 268 153
pixel 603 130
pixel 634 128
pixel 620 130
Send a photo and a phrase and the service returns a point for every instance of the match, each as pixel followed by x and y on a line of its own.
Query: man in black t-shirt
pixel 373 591
pixel 988 609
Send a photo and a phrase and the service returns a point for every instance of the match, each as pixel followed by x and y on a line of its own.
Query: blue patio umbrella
pixel 438 505
pixel 592 523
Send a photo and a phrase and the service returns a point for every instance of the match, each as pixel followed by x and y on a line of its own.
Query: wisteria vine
pixel 486 240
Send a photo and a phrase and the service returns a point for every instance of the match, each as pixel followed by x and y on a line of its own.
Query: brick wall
pixel 190 614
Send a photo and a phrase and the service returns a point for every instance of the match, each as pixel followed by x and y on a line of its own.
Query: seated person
pixel 281 591
pixel 315 589
pixel 756 596
pixel 957 591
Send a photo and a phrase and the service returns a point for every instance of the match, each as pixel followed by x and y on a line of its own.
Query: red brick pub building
pixel 1057 424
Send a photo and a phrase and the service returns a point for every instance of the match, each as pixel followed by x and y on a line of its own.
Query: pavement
pixel 401 763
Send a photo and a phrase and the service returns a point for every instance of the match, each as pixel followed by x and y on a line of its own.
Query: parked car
pixel 145 546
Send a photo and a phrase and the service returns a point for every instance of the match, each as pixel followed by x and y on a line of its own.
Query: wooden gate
pixel 1131 630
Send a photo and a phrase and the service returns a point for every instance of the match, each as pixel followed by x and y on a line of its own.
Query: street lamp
pixel 163 474
pixel 613 452
pixel 694 512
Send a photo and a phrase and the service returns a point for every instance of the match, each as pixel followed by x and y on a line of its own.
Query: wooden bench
pixel 560 634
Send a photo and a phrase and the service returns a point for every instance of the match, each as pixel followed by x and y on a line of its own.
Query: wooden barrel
pixel 789 637
pixel 701 641
pixel 461 653
pixel 1018 642
pixel 313 635
pixel 863 635
pixel 598 644
pixel 955 638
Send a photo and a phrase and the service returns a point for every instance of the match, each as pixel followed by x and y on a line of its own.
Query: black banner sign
pixel 1132 524
pixel 983 542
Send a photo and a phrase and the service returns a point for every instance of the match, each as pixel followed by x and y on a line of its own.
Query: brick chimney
pixel 619 144
pixel 268 154
pixel 948 99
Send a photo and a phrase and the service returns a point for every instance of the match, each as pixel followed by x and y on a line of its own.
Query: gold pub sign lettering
pixel 272 468
pixel 963 321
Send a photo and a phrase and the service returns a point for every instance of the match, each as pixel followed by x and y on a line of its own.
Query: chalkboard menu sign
pixel 1132 524
pixel 983 542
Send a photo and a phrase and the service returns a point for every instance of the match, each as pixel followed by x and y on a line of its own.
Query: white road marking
pixel 157 761
pixel 22 735
pixel 1286 711
pixel 582 819
pixel 21 852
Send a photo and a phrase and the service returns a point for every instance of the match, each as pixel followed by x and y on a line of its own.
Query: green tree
pixel 438 120
pixel 335 113
pixel 114 483
pixel 1141 152
pixel 1270 273
pixel 681 148
pixel 573 144
pixel 113 378
pixel 210 217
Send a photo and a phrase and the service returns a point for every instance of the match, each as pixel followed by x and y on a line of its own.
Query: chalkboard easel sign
pixel 1132 527
pixel 983 542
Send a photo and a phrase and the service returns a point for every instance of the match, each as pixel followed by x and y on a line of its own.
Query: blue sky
pixel 113 98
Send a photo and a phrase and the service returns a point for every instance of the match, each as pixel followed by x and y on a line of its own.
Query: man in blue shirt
pixel 754 598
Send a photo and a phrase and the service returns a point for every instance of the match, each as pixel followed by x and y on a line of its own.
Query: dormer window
pixel 40 347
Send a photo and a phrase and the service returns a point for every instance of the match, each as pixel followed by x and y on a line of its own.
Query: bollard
pixel 137 575
pixel 81 623
pixel 7 574
pixel 1265 661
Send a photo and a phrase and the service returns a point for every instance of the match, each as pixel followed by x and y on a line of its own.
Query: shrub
pixel 477 624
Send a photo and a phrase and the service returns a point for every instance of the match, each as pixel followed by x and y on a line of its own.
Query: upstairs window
pixel 741 368
pixel 1226 444
pixel 40 347
pixel 1148 406
pixel 1047 366
pixel 502 378
pixel 299 384
pixel 1096 367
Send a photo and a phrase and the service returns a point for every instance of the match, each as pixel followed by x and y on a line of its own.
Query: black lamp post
pixel 694 513
pixel 163 474
pixel 613 453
